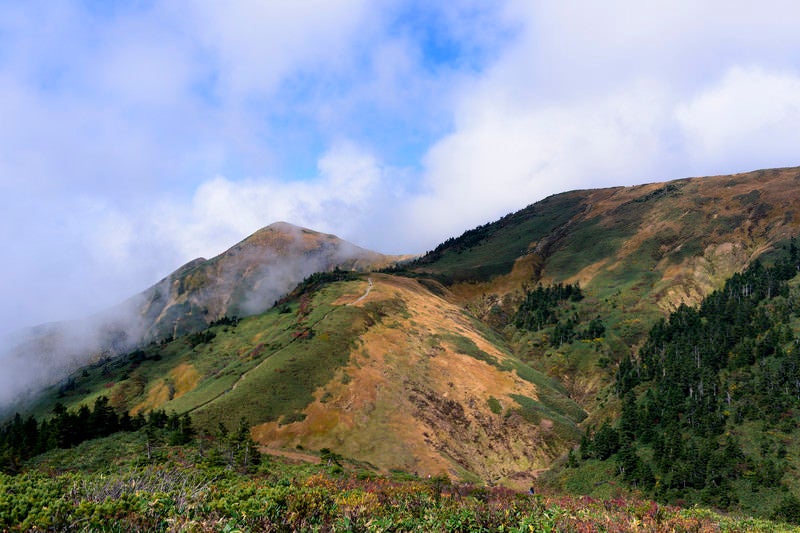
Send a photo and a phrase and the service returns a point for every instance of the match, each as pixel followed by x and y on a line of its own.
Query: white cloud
pixel 258 45
pixel 577 49
pixel 223 211
pixel 110 238
pixel 505 155
pixel 98 253
pixel 750 117
pixel 601 94
pixel 116 118
pixel 138 72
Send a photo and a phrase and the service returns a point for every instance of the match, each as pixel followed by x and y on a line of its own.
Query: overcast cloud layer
pixel 138 136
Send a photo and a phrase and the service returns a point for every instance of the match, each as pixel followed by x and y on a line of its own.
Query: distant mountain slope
pixel 662 243
pixel 244 280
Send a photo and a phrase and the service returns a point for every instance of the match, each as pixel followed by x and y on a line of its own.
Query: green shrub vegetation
pixel 494 405
pixel 540 307
pixel 709 403
pixel 207 484
pixel 491 249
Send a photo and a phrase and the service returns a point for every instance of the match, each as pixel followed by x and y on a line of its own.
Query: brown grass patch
pixel 525 271
pixel 158 395
pixel 182 379
pixel 185 378
pixel 588 273
pixel 694 278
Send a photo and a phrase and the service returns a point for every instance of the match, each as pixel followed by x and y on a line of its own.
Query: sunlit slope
pixel 654 246
pixel 636 252
pixel 379 369
pixel 427 389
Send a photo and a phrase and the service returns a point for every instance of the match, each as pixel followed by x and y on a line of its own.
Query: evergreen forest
pixel 712 398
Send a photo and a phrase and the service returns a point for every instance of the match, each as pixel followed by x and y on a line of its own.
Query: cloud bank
pixel 139 136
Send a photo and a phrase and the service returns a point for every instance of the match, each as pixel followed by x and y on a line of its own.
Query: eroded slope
pixel 426 390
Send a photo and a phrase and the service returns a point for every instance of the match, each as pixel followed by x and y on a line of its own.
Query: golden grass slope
pixel 729 220
pixel 181 379
pixel 410 400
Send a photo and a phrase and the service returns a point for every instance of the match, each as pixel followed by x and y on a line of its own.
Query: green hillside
pixel 625 341
pixel 292 373
pixel 710 401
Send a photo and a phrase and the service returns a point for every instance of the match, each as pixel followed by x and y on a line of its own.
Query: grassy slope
pixel 401 379
pixel 637 252
pixel 493 249
pixel 415 395
pixel 635 240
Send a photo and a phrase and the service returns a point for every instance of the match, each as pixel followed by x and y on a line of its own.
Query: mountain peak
pixel 248 278
pixel 282 225
pixel 286 239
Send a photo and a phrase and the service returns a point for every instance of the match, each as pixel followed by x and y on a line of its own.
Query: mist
pixel 45 355
pixel 246 279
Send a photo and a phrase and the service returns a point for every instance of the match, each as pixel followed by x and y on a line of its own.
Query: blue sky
pixel 136 136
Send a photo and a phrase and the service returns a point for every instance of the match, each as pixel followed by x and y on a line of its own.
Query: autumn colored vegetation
pixel 179 488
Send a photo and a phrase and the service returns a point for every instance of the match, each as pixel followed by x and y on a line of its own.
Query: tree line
pixel 700 375
pixel 22 439
pixel 543 307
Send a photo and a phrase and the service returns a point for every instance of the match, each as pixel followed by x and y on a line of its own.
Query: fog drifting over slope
pixel 246 279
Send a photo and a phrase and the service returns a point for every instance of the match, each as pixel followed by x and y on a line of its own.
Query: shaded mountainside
pixel 485 359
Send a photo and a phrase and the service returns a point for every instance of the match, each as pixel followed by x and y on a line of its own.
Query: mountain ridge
pixel 247 278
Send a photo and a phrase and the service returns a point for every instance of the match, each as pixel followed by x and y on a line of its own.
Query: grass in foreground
pixel 178 490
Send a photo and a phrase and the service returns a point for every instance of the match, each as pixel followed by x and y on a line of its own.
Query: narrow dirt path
pixel 361 298
pixel 267 358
